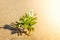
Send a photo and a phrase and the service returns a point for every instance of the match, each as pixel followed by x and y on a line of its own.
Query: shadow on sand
pixel 14 30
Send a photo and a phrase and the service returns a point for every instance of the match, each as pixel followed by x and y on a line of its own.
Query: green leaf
pixel 25 26
pixel 32 23
pixel 33 19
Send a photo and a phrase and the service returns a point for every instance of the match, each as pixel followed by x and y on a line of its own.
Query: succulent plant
pixel 26 22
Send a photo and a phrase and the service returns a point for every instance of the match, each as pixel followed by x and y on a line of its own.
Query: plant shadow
pixel 14 30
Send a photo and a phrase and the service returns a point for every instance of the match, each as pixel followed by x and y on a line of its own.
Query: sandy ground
pixel 47 28
pixel 6 35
